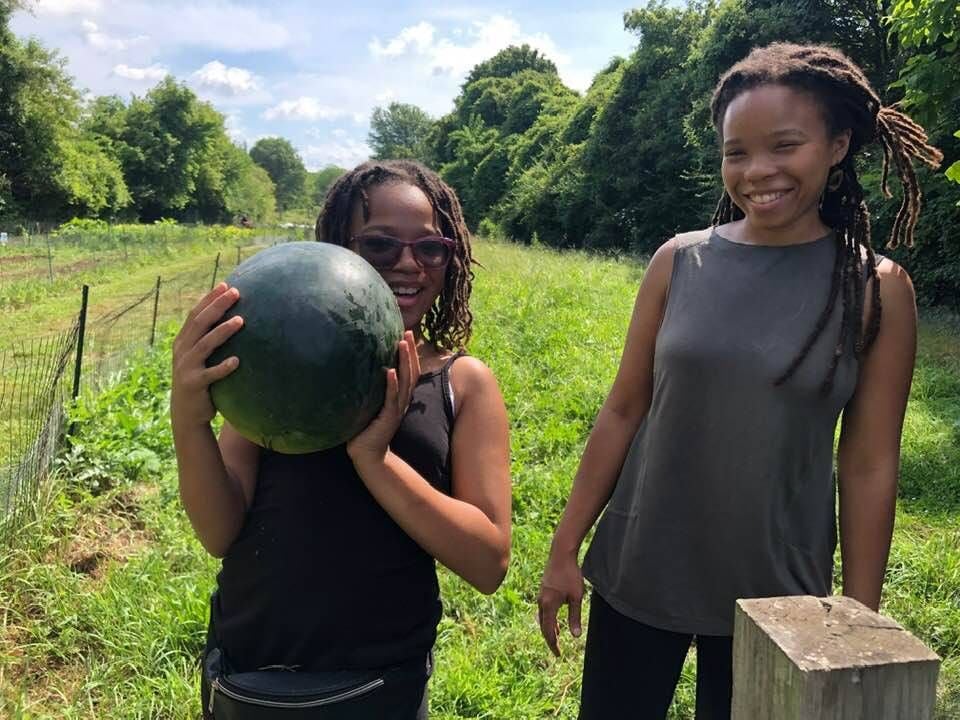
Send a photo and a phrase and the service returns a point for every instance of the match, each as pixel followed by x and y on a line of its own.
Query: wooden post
pixel 216 269
pixel 156 305
pixel 78 365
pixel 807 658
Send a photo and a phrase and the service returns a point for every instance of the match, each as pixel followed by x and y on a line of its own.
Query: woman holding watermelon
pixel 328 558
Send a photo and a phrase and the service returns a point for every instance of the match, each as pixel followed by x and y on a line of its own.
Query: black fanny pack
pixel 393 693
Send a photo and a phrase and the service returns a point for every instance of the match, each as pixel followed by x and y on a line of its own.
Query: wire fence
pixel 34 267
pixel 39 376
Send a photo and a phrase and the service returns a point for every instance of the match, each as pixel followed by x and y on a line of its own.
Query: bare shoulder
pixel 470 376
pixel 895 283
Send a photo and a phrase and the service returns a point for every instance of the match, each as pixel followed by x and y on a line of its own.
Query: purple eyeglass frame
pixel 450 244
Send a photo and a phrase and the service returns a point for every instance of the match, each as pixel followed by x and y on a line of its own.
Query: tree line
pixel 619 167
pixel 164 155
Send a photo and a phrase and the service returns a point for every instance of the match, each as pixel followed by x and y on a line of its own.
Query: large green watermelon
pixel 320 326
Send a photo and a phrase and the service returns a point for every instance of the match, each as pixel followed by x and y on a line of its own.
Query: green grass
pixel 103 601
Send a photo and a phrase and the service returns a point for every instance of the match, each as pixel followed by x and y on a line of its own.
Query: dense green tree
pixel 91 178
pixel 165 142
pixel 470 145
pixel 930 81
pixel 284 165
pixel 549 195
pixel 319 182
pixel 50 169
pixel 400 131
pixel 248 190
pixel 510 61
pixel 636 159
pixel 491 116
pixel 929 33
pixel 860 29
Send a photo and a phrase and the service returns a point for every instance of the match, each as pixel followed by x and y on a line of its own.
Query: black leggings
pixel 630 670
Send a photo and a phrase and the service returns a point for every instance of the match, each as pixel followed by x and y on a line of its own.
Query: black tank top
pixel 320 576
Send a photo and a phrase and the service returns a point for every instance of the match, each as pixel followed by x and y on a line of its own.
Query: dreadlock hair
pixel 447 325
pixel 848 102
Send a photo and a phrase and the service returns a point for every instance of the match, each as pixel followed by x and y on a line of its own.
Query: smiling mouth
pixel 766 198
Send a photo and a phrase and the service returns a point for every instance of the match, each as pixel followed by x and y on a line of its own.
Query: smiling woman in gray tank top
pixel 713 453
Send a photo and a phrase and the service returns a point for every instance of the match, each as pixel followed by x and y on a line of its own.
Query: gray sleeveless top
pixel 727 490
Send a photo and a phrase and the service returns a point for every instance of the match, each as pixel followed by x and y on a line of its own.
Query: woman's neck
pixel 802 231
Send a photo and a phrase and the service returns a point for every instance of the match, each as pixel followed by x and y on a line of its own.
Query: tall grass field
pixel 103 597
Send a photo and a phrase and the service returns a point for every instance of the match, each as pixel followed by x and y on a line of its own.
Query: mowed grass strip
pixel 104 601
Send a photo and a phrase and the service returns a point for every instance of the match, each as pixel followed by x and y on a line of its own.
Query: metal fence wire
pixel 40 375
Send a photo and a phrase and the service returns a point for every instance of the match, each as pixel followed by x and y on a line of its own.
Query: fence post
pixel 807 658
pixel 49 259
pixel 216 269
pixel 156 304
pixel 80 336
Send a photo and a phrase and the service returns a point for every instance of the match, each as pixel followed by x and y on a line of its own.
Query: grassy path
pixel 103 604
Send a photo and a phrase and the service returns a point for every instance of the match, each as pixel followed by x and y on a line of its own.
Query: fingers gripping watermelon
pixel 320 326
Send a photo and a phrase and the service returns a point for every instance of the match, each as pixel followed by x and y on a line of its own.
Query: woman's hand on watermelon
pixel 373 442
pixel 201 334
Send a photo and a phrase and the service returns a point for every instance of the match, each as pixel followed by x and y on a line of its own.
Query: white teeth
pixel 767 197
pixel 405 291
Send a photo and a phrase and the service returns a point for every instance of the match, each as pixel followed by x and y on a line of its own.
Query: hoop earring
pixel 835 179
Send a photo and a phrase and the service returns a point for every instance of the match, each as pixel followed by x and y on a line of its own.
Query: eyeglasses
pixel 383 251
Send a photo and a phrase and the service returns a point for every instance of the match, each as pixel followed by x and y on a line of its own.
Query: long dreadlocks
pixel 448 323
pixel 849 102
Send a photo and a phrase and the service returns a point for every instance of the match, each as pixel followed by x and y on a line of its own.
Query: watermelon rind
pixel 320 328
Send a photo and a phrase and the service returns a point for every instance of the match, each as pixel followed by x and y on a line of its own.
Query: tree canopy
pixel 400 131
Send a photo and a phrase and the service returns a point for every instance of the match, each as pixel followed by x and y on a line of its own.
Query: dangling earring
pixel 835 179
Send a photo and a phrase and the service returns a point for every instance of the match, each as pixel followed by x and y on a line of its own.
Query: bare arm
pixel 614 430
pixel 216 483
pixel 216 480
pixel 469 532
pixel 868 459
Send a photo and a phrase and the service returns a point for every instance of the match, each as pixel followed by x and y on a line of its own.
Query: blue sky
pixel 313 71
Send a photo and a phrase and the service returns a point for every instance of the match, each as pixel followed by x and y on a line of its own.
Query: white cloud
pixel 345 153
pixel 418 37
pixel 484 40
pixel 153 72
pixel 454 56
pixel 66 7
pixel 213 25
pixel 102 41
pixel 386 96
pixel 229 80
pixel 339 133
pixel 303 108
